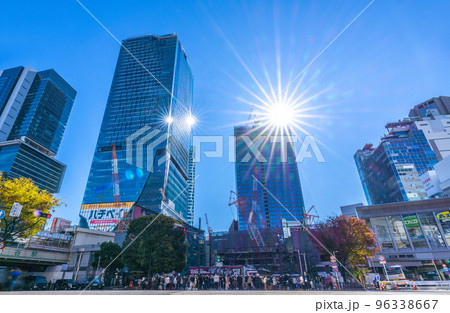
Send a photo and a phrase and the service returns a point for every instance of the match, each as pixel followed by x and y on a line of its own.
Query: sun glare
pixel 280 115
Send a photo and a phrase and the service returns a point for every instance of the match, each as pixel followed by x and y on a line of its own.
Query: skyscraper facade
pixel 441 104
pixel 391 172
pixel 191 186
pixel 145 124
pixel 34 110
pixel 275 168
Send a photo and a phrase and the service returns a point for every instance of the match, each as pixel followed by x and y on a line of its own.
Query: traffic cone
pixel 395 286
pixel 414 285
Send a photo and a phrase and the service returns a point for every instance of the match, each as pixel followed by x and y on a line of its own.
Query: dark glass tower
pixel 34 109
pixel 152 81
pixel 277 171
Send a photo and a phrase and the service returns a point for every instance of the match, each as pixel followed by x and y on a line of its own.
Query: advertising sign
pixel 411 221
pixel 104 214
pixel 59 225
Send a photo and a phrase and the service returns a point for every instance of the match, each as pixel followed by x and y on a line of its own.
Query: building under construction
pixel 285 250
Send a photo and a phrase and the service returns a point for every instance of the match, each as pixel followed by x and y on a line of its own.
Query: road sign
pixel 332 258
pixel 333 264
pixel 16 209
pixel 2 245
pixel 281 238
pixel 443 265
pixel 2 214
pixel 201 236
pixel 335 269
pixel 382 259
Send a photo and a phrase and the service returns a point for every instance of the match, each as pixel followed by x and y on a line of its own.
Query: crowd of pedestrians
pixel 238 282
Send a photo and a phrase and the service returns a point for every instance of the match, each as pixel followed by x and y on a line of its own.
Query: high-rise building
pixel 436 129
pixel 145 123
pixel 191 187
pixel 34 109
pixel 276 169
pixel 391 172
pixel 441 104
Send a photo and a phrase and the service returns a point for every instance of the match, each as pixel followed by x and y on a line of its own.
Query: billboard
pixel 104 216
pixel 59 225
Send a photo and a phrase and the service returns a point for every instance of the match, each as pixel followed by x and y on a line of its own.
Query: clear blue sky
pixel 394 56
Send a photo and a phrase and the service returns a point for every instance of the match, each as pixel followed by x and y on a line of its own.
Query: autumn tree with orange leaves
pixel 350 239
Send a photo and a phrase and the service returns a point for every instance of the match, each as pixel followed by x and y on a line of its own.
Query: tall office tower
pixel 391 172
pixel 141 160
pixel 275 168
pixel 191 188
pixel 34 109
pixel 442 104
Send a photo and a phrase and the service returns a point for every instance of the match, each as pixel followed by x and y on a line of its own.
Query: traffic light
pixel 38 213
pixel 218 258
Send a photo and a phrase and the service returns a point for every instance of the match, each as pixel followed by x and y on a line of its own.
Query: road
pixel 224 292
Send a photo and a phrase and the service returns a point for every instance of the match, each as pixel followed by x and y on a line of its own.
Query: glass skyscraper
pixel 152 81
pixel 277 170
pixel 391 172
pixel 34 109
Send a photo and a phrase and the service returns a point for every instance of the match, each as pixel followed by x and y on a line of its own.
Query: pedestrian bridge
pixel 20 255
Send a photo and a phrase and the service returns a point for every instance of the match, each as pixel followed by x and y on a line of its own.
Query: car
pixel 65 284
pixel 35 283
pixel 91 283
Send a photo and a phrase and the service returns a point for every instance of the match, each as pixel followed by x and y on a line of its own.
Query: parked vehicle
pixel 91 283
pixel 397 272
pixel 65 284
pixel 35 283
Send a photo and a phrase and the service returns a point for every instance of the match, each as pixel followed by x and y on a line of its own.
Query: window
pixel 400 237
pixel 382 231
pixel 431 230
pixel 415 232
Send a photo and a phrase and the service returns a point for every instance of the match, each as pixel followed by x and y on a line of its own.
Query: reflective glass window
pixel 431 230
pixel 412 225
pixel 382 231
pixel 399 232
pixel 444 219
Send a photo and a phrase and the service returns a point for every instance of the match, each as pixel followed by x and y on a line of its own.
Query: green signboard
pixel 411 221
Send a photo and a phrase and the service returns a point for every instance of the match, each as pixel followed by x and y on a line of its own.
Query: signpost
pixel 16 209
pixel 2 214
pixel 2 245
pixel 382 260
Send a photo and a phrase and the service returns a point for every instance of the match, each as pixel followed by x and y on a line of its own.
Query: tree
pixel 352 241
pixel 107 258
pixel 160 248
pixel 36 203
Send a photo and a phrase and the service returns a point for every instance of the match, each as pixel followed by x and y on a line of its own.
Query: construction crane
pixel 309 219
pixel 256 210
pixel 248 217
pixel 209 229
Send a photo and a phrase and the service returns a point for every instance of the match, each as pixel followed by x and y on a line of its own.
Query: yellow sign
pixel 92 206
pixel 443 215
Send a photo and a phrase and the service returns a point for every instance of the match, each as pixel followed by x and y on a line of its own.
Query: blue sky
pixel 392 57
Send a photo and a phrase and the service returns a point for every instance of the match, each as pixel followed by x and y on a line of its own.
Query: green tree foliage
pixel 160 248
pixel 33 199
pixel 107 258
pixel 350 238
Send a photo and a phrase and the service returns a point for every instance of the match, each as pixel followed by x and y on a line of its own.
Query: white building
pixel 436 129
pixel 437 181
